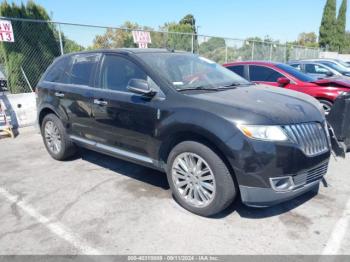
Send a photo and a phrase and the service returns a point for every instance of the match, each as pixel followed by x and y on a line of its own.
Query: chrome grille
pixel 311 137
pixel 311 175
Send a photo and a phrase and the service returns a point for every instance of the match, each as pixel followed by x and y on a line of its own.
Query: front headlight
pixel 269 133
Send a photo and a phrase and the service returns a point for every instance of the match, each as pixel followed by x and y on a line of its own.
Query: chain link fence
pixel 38 43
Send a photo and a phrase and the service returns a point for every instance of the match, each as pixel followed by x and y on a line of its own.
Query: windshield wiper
pixel 197 88
pixel 234 85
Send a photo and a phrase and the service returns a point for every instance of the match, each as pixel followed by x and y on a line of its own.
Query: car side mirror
pixel 329 73
pixel 283 81
pixel 140 86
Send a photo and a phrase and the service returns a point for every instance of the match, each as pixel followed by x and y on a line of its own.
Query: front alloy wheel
pixel 199 179
pixel 193 179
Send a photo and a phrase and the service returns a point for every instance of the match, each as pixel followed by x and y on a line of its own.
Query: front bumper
pixel 264 197
pixel 257 163
pixel 283 188
pixel 291 187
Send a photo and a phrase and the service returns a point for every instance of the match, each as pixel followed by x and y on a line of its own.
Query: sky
pixel 280 19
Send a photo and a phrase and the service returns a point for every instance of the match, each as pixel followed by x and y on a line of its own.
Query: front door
pixel 125 122
pixel 264 75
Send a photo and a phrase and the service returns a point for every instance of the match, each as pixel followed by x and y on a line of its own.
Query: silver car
pixel 315 69
pixel 334 64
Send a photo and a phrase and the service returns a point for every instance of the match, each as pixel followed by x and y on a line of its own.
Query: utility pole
pixel 60 39
pixel 197 28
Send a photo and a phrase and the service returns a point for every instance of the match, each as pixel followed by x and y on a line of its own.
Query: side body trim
pixel 113 150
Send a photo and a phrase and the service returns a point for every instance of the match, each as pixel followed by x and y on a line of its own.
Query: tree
pixel 341 24
pixel 189 20
pixel 328 26
pixel 213 49
pixel 70 46
pixel 307 39
pixel 117 38
pixel 122 37
pixel 212 44
pixel 34 48
pixel 186 41
pixel 179 41
pixel 346 47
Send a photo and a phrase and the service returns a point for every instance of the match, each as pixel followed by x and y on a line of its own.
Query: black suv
pixel 215 134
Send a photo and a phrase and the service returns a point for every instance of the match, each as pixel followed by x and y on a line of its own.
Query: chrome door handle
pixel 59 94
pixel 100 102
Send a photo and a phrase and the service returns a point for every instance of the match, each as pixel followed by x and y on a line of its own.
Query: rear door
pixel 124 122
pixel 70 89
pixel 79 103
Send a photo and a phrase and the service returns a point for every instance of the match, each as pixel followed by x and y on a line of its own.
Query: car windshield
pixel 296 73
pixel 342 63
pixel 187 71
pixel 339 68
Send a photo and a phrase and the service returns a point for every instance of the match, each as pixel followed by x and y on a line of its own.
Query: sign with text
pixel 142 38
pixel 6 32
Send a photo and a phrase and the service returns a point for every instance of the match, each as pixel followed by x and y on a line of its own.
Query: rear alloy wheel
pixel 52 137
pixel 56 140
pixel 326 105
pixel 199 179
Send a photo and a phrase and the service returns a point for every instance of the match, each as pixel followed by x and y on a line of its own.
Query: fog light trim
pixel 282 184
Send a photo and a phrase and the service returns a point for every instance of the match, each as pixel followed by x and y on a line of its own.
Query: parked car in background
pixel 215 134
pixel 282 75
pixel 343 63
pixel 341 67
pixel 315 69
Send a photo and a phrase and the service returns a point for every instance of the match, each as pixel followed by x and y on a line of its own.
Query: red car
pixel 278 74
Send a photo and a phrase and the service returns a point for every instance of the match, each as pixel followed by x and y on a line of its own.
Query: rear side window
pixel 239 70
pixel 264 74
pixel 58 72
pixel 83 68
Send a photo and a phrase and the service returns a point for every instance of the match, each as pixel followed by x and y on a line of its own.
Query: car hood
pixel 262 104
pixel 338 81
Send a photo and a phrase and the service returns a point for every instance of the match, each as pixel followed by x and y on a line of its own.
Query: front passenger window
pixel 263 74
pixel 239 70
pixel 310 69
pixel 321 70
pixel 118 71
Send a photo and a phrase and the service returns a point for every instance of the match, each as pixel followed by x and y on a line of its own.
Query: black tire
pixel 67 148
pixel 327 105
pixel 225 186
